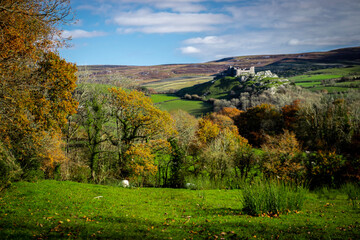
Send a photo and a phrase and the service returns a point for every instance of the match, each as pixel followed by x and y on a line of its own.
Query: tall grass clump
pixel 327 193
pixel 352 191
pixel 272 197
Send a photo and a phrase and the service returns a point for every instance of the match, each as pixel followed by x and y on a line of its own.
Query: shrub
pixel 33 175
pixel 258 121
pixel 282 158
pixel 77 172
pixel 9 170
pixel 325 169
pixel 272 198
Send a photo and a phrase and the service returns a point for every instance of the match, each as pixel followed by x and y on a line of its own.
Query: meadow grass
pixel 313 78
pixel 272 198
pixel 329 89
pixel 158 98
pixel 196 108
pixel 308 84
pixel 68 210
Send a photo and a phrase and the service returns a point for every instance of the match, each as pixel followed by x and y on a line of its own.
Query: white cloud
pixel 173 5
pixel 205 40
pixel 147 21
pixel 78 33
pixel 282 26
pixel 294 42
pixel 190 50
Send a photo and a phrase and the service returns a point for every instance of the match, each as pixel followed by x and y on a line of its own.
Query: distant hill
pixel 283 64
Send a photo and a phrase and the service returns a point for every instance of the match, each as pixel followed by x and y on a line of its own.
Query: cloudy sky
pixel 151 32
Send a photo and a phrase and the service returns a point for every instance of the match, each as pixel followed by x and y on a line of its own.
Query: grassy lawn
pixel 170 102
pixel 196 108
pixel 50 209
pixel 157 98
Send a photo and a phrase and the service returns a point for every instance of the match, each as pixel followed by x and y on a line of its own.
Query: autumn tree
pixel 257 121
pixel 222 121
pixel 282 157
pixel 232 113
pixel 138 121
pixel 218 149
pixel 36 84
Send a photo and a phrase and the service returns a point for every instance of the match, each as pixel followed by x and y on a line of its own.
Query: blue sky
pixel 152 32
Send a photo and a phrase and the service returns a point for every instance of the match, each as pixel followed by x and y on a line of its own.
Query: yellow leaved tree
pixel 141 130
pixel 35 83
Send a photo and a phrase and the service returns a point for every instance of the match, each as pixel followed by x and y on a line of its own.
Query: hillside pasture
pixel 68 210
pixel 177 83
pixel 196 108
pixel 331 79
pixel 313 78
pixel 170 103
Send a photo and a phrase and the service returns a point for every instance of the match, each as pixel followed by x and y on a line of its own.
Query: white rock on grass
pixel 125 183
pixel 190 186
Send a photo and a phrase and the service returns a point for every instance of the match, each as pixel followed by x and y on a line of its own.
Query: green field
pixel 329 89
pixel 196 108
pixel 170 102
pixel 313 80
pixel 68 210
pixel 158 98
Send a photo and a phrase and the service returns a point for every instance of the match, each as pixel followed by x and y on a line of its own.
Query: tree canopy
pixel 35 83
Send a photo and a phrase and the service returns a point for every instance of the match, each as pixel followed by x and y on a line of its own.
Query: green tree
pixel 94 123
pixel 327 126
pixel 177 160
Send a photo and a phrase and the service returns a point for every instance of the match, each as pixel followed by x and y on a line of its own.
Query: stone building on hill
pixel 235 72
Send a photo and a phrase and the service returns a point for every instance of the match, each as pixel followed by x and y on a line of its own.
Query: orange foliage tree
pixel 207 131
pixel 232 113
pixel 222 121
pixel 35 83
